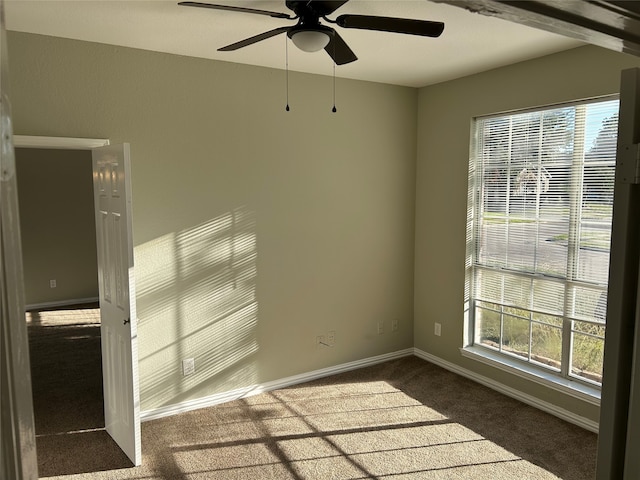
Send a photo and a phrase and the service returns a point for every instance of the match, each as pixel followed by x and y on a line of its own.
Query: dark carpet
pixel 404 419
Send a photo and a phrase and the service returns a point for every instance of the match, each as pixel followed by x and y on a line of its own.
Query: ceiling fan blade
pixel 339 51
pixel 255 39
pixel 236 9
pixel 390 24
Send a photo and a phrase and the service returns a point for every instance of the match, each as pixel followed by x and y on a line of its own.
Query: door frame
pixel 61 143
pixel 67 143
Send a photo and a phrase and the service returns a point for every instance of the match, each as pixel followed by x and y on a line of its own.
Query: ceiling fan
pixel 310 35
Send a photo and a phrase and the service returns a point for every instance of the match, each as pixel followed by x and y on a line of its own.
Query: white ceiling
pixel 470 43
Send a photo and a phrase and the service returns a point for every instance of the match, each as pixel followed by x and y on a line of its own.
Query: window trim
pixel 560 381
pixel 574 388
pixel 550 106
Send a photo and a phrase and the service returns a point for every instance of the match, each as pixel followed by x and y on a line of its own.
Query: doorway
pixel 57 227
pixel 125 433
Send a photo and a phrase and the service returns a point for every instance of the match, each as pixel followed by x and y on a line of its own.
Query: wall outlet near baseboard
pixel 331 337
pixel 53 283
pixel 394 325
pixel 380 327
pixel 437 329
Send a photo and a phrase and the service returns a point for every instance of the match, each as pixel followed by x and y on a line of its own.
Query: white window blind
pixel 538 234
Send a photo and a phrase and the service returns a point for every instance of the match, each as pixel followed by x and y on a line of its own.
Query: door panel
pixel 112 193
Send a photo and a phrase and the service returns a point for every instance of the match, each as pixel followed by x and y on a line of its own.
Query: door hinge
pixel 628 168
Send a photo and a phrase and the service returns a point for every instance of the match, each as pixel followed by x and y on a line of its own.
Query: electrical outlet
pixel 331 337
pixel 380 327
pixel 394 325
pixel 52 283
pixel 437 329
pixel 188 366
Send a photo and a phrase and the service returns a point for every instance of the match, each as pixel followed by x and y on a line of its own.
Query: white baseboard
pixel 566 415
pixel 251 390
pixel 60 303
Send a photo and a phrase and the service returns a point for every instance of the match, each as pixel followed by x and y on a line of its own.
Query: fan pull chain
pixel 286 50
pixel 334 109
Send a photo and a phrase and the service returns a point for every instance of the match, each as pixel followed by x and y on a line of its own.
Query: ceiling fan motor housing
pixel 311 12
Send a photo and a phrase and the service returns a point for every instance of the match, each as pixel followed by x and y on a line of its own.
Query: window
pixel 538 235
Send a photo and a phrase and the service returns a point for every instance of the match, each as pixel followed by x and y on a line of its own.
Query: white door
pixel 112 194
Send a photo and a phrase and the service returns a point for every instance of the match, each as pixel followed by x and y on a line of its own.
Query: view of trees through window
pixel 539 230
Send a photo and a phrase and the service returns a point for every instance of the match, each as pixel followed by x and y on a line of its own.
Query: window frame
pixel 563 379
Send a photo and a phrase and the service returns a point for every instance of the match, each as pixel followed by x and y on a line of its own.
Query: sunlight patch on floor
pixel 374 431
pixel 71 316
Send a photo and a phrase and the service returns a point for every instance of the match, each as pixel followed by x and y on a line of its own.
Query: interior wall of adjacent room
pixel 55 190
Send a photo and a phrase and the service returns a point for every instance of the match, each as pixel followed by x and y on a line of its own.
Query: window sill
pixel 529 372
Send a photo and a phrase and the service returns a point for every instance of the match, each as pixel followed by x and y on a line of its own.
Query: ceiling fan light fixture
pixel 311 40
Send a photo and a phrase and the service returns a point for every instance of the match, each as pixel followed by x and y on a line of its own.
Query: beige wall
pixel 55 190
pixel 444 120
pixel 255 229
